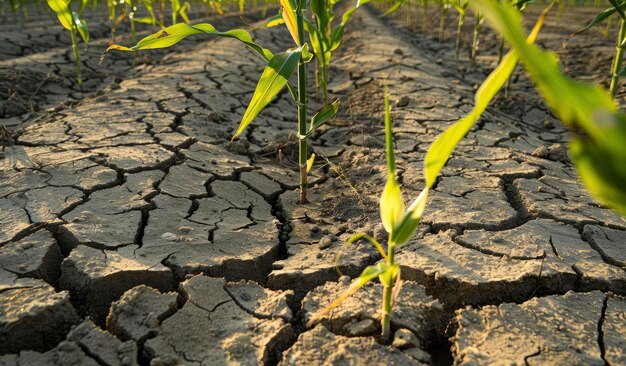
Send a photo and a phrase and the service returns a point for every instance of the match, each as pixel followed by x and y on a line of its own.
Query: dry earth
pixel 134 232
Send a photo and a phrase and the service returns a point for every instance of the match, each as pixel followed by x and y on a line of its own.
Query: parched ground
pixel 133 231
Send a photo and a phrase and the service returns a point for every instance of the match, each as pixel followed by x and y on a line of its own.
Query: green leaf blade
pixel 274 78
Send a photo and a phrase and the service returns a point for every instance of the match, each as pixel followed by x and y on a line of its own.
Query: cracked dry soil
pixel 134 232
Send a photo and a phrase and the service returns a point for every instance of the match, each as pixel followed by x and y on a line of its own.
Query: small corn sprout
pixel 71 21
pixel 475 42
pixel 461 8
pixel 401 223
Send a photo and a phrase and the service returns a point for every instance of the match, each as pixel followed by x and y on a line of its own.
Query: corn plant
pixel 71 21
pixel 399 223
pixel 598 148
pixel 617 70
pixel 274 78
pixel 461 8
pixel 475 42
pixel 179 10
pixel 325 39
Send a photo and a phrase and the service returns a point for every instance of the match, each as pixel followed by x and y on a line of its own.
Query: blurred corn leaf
pixel 324 116
pixel 273 79
pixel 175 33
pixel 440 150
pixel 599 146
pixel 63 12
pixel 391 202
pixel 81 26
pixel 275 20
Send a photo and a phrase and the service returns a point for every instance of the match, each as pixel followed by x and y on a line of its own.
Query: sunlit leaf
pixel 324 115
pixel 273 79
pixel 62 10
pixel 175 33
pixel 309 163
pixel 387 277
pixel 368 274
pixel 391 202
pixel 404 229
pixel 275 20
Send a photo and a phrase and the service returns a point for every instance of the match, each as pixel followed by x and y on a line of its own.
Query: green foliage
pixel 598 148
pixel 71 21
pixel 275 76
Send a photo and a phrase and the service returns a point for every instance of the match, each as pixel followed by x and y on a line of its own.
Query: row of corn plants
pixel 590 113
pixel 70 16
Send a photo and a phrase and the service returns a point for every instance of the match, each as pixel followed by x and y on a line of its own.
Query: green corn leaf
pixel 146 20
pixel 391 202
pixel 175 33
pixel 391 205
pixel 440 150
pixel 407 225
pixel 601 172
pixel 618 8
pixel 62 10
pixel 275 20
pixel 337 33
pixel 356 237
pixel 289 16
pixel 387 277
pixel 81 25
pixel 599 150
pixel 368 274
pixel 273 79
pixel 597 20
pixel 83 5
pixel 393 8
pixel 324 115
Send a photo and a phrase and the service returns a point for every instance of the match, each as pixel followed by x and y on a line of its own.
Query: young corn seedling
pixel 445 5
pixel 325 39
pixel 617 70
pixel 598 148
pixel 71 21
pixel 475 42
pixel 280 67
pixel 399 223
pixel 461 8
